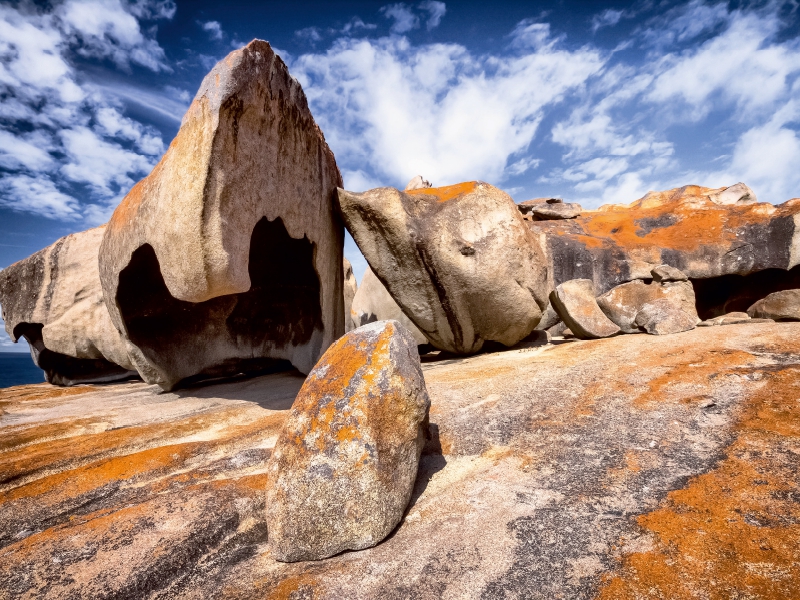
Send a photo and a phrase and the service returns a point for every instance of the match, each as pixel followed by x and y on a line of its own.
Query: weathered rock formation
pixel 662 317
pixel 373 302
pixel 734 250
pixel 558 210
pixel 458 260
pixel 228 256
pixel 342 471
pixel 630 467
pixel 575 303
pixel 778 306
pixel 350 290
pixel 54 300
pixel 418 183
pixel 623 303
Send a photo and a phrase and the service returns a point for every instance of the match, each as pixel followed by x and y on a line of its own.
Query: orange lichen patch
pixel 24 435
pixel 298 586
pixel 448 192
pixel 68 452
pixel 734 531
pixel 41 391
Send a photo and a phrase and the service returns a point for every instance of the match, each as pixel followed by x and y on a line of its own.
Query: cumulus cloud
pixel 393 109
pixel 213 28
pixel 61 135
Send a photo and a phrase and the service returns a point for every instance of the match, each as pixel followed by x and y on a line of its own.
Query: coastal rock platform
pixel 628 467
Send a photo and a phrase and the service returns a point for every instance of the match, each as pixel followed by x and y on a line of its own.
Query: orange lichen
pixel 448 192
pixel 734 530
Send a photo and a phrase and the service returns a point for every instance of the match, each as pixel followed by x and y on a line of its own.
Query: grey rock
pixel 664 273
pixel 344 466
pixel 735 194
pixel 662 317
pixel 350 290
pixel 418 183
pixel 458 260
pixel 549 318
pixel 373 302
pixel 561 210
pixel 528 205
pixel 778 306
pixel 54 300
pixel 575 303
pixel 623 303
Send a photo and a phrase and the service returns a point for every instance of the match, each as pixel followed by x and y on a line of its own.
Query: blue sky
pixel 594 102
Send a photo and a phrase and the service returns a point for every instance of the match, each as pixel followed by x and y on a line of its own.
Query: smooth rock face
pixel 719 238
pixel 662 317
pixel 549 318
pixel 559 210
pixel 779 306
pixel 575 303
pixel 54 299
pixel 623 303
pixel 664 273
pixel 458 260
pixel 373 302
pixel 732 318
pixel 350 290
pixel 342 471
pixel 228 256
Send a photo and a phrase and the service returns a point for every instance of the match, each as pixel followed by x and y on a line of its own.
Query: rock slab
pixel 575 303
pixel 458 260
pixel 623 303
pixel 344 466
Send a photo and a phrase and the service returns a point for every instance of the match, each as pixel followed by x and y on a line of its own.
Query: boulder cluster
pixel 228 259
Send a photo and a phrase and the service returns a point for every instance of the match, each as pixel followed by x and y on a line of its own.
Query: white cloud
pixel 396 110
pixel 79 132
pixel 213 28
pixel 607 18
pixel 436 11
pixel 404 18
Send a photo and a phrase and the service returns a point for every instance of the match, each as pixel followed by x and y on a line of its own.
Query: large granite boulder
pixel 373 302
pixel 54 300
pixel 662 317
pixel 350 289
pixel 575 303
pixel 343 468
pixel 227 258
pixel 734 250
pixel 778 306
pixel 623 303
pixel 458 260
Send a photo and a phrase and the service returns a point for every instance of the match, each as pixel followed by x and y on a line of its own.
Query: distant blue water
pixel 17 369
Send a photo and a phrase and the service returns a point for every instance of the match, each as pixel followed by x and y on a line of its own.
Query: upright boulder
pixel 228 256
pixel 374 303
pixel 458 260
pixel 350 289
pixel 575 303
pixel 54 300
pixel 779 306
pixel 344 466
pixel 727 244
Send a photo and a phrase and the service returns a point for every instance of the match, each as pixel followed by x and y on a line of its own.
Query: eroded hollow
pixel 229 334
pixel 732 293
pixel 61 369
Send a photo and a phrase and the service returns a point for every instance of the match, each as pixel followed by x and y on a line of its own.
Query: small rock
pixel 778 306
pixel 623 303
pixel 653 444
pixel 527 206
pixel 661 317
pixel 575 303
pixel 707 403
pixel 549 318
pixel 344 466
pixel 664 273
pixel 418 183
pixel 350 289
pixel 735 194
pixel 562 210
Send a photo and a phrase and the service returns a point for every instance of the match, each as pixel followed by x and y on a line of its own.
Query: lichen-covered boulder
pixel 575 303
pixel 778 306
pixel 228 256
pixel 373 302
pixel 343 468
pixel 54 300
pixel 350 289
pixel 458 260
pixel 728 245
pixel 623 303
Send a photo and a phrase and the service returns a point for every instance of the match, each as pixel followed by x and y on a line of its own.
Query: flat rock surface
pixel 629 467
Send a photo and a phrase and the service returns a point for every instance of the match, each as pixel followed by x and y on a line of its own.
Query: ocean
pixel 17 368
